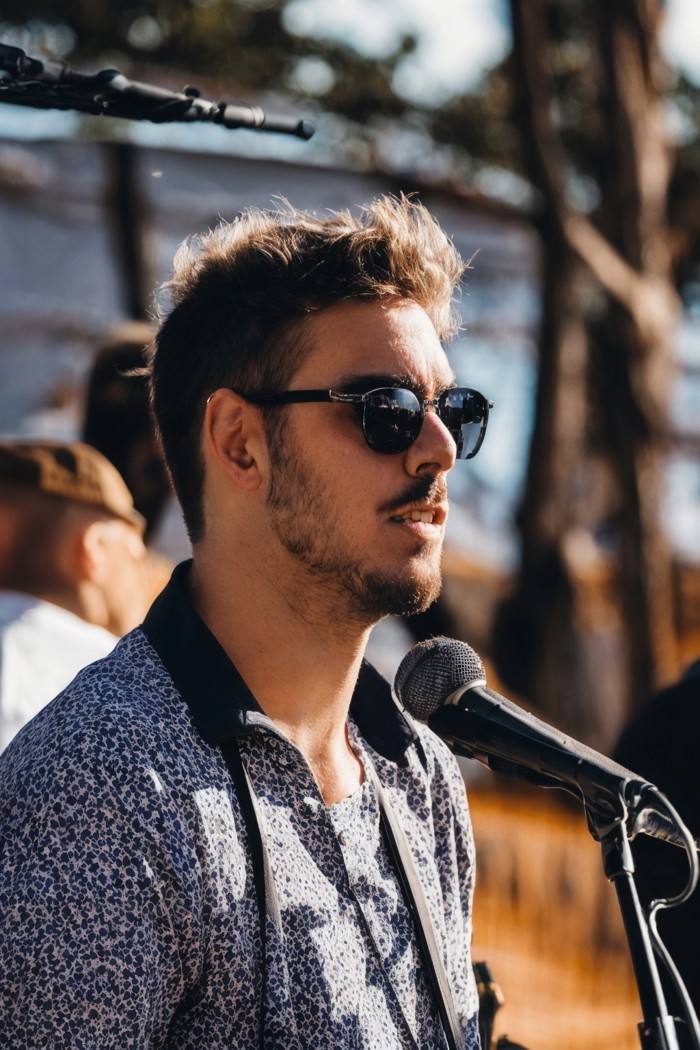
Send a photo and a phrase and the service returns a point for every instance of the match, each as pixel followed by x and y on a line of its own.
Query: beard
pixel 299 501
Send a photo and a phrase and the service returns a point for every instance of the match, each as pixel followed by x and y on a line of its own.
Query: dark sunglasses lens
pixel 391 419
pixel 464 413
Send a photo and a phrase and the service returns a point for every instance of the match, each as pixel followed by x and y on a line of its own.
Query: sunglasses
pixel 392 417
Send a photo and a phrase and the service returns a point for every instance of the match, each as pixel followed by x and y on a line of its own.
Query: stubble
pixel 308 525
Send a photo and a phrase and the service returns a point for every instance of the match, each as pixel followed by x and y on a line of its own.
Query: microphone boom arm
pixel 26 81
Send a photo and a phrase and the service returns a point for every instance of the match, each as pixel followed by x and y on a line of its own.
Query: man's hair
pixel 241 296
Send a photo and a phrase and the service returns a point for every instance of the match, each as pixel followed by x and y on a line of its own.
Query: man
pixel 71 554
pixel 201 835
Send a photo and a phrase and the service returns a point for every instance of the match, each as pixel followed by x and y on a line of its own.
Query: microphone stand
pixel 658 1029
pixel 612 806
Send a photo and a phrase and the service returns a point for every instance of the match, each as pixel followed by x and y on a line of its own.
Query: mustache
pixel 423 490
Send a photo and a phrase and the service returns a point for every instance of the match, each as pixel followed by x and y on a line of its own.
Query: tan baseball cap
pixel 70 470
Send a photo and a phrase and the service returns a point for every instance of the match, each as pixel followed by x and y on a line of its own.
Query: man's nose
pixel 434 450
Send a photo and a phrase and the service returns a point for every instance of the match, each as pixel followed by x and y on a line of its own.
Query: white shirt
pixel 42 648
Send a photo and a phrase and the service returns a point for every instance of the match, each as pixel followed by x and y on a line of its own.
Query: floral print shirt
pixel 128 908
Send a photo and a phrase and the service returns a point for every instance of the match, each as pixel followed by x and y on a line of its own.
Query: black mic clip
pixel 637 811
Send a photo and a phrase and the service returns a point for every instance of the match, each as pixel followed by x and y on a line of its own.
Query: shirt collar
pixel 221 704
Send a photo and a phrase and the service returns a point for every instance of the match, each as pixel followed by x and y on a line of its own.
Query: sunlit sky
pixel 458 39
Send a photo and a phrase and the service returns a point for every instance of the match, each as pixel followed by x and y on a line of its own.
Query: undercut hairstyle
pixel 237 308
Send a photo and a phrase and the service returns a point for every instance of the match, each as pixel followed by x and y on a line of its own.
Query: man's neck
pixel 300 664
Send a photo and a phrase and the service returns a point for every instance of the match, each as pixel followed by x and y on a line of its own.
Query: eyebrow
pixel 362 382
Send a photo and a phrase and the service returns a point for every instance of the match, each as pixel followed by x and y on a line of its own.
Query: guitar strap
pixel 268 903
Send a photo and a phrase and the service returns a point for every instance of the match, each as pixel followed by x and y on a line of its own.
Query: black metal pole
pixel 658 1029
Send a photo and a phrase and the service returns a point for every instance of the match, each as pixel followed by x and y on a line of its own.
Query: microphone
pixel 442 682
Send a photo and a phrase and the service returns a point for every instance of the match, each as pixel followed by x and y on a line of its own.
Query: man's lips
pixel 431 515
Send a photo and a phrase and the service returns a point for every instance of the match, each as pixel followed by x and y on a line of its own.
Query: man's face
pixel 338 507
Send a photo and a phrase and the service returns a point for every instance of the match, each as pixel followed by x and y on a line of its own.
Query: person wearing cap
pixel 71 555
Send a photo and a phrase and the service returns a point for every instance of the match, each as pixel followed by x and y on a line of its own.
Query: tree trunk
pixel 633 381
pixel 537 644
pixel 631 260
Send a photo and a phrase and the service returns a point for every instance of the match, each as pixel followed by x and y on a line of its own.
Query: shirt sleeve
pixel 88 957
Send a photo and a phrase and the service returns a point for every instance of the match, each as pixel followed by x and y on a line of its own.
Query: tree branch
pixel 648 299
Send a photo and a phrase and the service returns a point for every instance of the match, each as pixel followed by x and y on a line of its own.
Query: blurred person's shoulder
pixel 40 623
pixel 120 715
pixel 670 718
pixel 660 743
pixel 42 647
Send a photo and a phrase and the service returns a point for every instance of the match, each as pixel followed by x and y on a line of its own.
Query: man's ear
pixel 233 438
pixel 90 551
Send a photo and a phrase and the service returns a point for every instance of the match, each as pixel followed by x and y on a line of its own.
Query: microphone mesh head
pixel 431 671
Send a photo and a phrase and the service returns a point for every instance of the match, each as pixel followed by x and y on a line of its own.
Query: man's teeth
pixel 418 515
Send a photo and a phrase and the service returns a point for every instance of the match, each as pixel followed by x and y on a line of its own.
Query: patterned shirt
pixel 128 908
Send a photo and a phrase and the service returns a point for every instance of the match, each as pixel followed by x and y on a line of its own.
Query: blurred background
pixel 557 142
